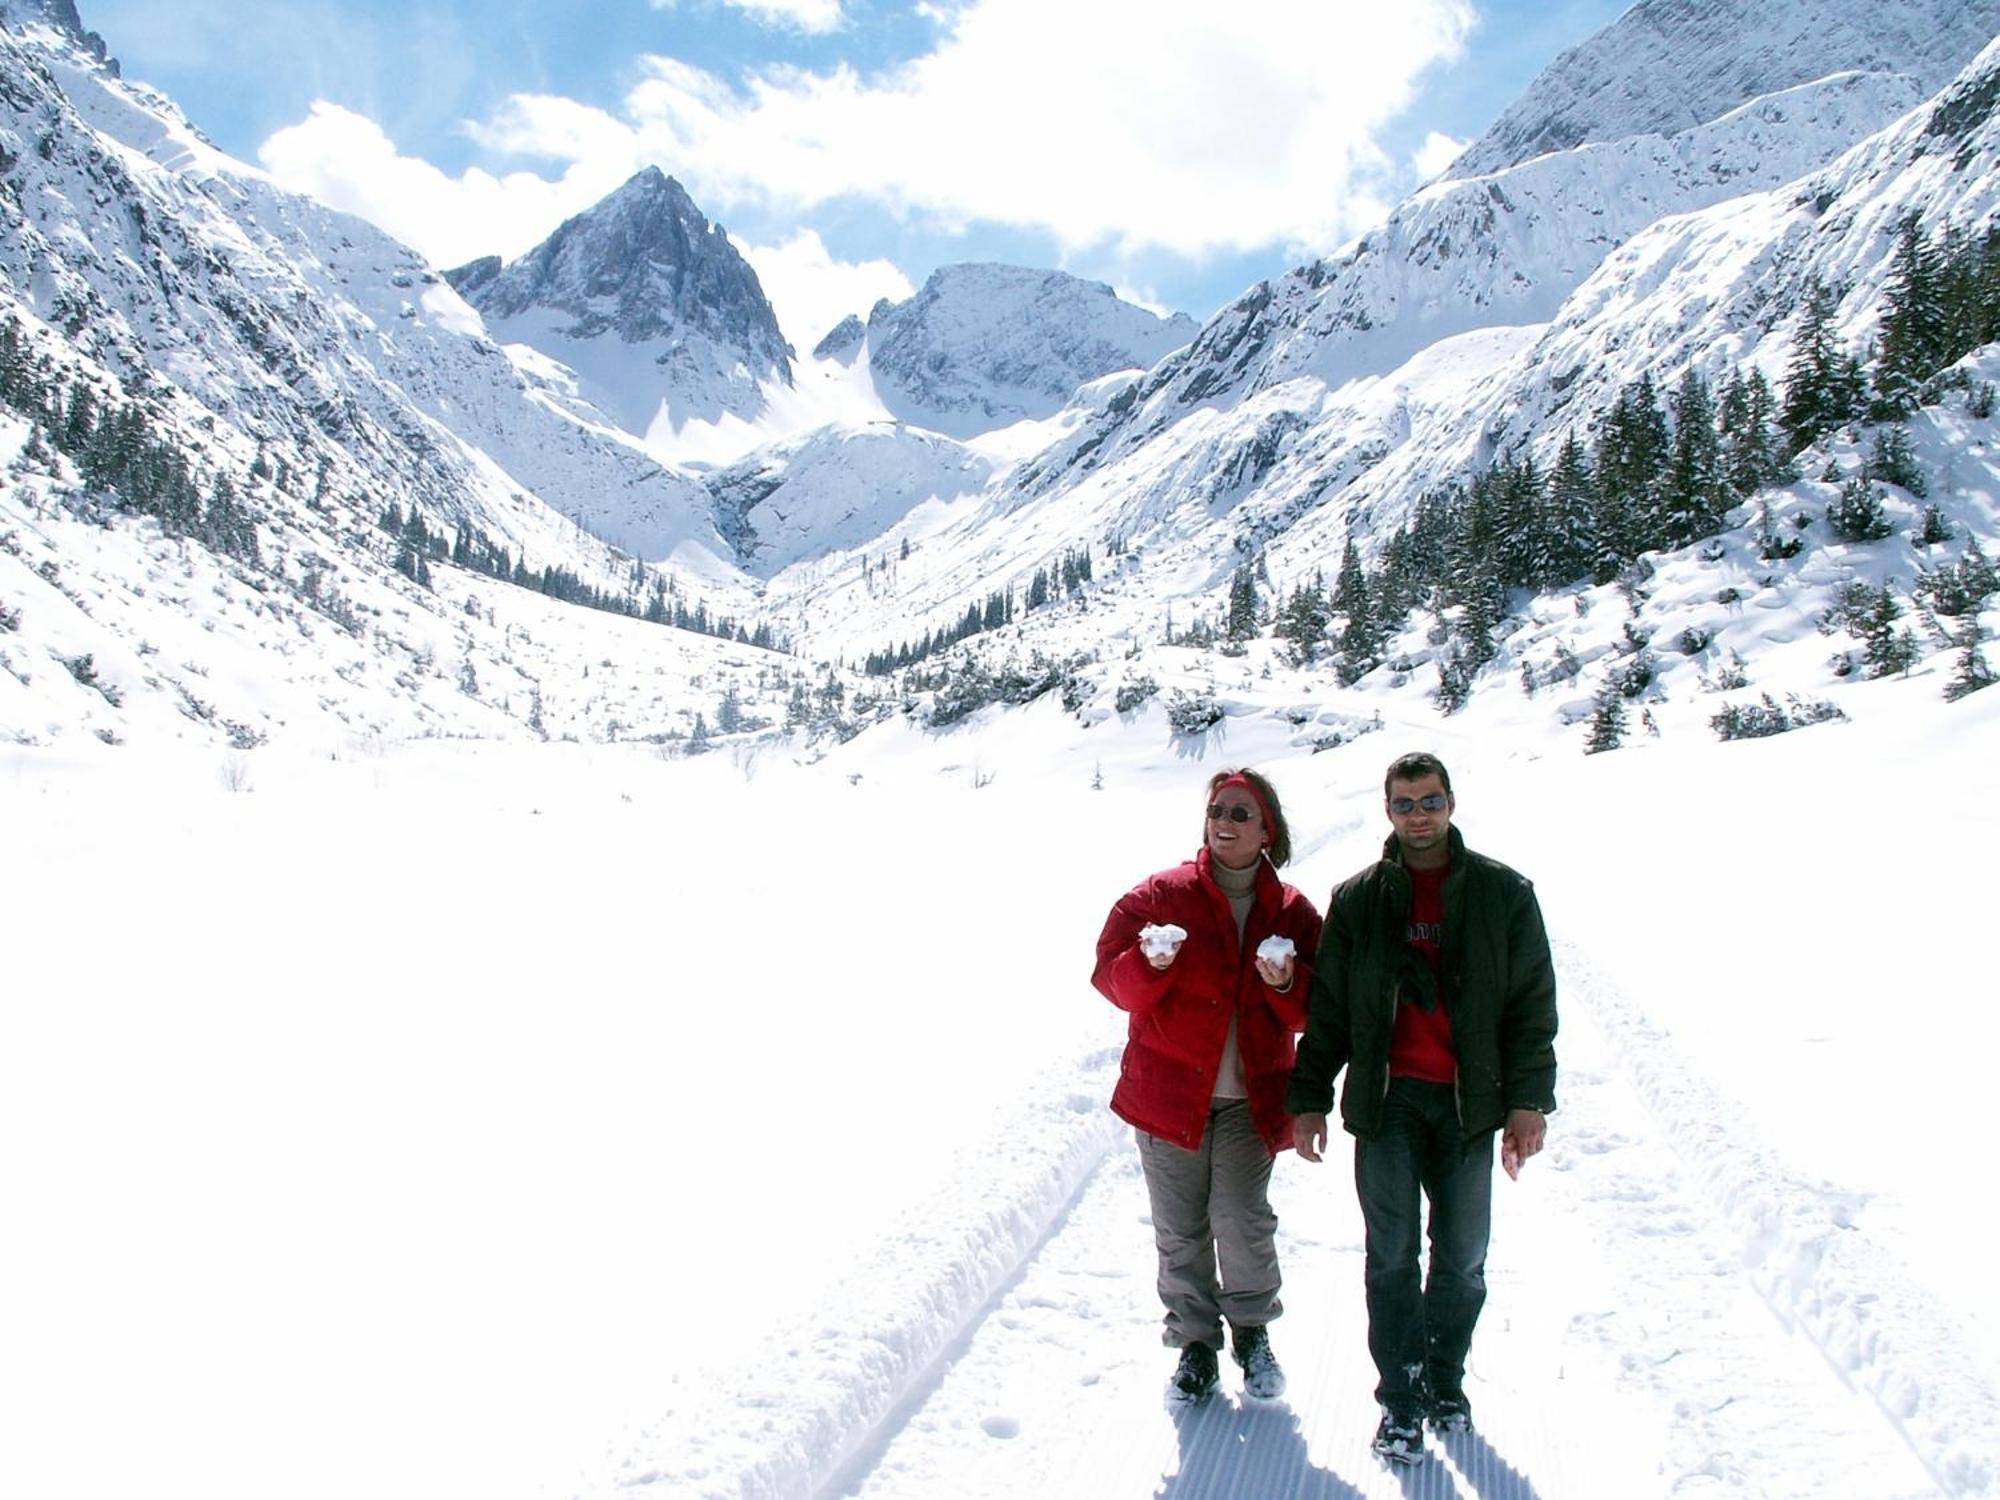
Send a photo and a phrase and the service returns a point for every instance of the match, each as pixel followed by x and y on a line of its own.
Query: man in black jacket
pixel 1435 991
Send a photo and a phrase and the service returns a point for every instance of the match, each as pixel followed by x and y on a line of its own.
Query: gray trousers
pixel 1212 1211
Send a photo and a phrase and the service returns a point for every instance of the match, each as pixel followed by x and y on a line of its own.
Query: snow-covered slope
pixel 837 488
pixel 288 319
pixel 1667 65
pixel 660 317
pixel 984 346
pixel 1488 317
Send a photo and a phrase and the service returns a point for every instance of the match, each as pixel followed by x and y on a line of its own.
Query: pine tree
pixel 1694 495
pixel 1607 720
pixel 1820 381
pixel 1971 672
pixel 1303 621
pixel 1241 624
pixel 1571 514
pixel 1892 460
pixel 1886 649
pixel 1633 452
pixel 1857 516
pixel 1750 457
pixel 1913 340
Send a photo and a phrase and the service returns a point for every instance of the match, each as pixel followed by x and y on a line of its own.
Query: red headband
pixel 1263 807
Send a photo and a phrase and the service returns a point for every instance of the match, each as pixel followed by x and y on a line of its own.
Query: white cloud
pixel 346 160
pixel 811 291
pixel 814 16
pixel 1436 153
pixel 818 16
pixel 1204 130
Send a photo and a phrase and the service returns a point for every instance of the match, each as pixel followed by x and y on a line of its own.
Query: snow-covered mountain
pixel 1486 316
pixel 837 488
pixel 658 315
pixel 333 377
pixel 1667 65
pixel 197 356
pixel 982 346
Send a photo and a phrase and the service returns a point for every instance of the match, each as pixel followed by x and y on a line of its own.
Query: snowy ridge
pixel 809 1399
pixel 1878 1329
pixel 1668 64
pixel 1500 251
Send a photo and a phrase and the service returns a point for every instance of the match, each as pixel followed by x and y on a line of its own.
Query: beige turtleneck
pixel 1240 886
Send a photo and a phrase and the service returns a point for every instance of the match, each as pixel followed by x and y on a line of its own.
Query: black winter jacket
pixel 1499 991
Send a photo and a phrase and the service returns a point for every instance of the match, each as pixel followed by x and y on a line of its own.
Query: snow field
pixel 538 1120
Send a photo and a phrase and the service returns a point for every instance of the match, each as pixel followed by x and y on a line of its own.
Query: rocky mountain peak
pixel 842 340
pixel 641 273
pixel 62 15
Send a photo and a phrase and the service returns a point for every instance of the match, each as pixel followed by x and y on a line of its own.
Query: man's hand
pixel 1522 1138
pixel 1309 1136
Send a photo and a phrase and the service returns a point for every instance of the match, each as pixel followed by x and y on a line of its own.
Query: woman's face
pixel 1231 843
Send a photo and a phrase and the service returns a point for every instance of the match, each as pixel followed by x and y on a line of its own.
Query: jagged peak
pixel 62 16
pixel 842 339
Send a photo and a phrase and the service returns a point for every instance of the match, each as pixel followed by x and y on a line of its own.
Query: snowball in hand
pixel 1275 949
pixel 1161 938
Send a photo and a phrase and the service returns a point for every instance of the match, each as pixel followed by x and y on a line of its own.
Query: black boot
pixel 1195 1375
pixel 1263 1378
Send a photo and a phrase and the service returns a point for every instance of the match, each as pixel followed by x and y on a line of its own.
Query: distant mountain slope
pixel 982 346
pixel 647 301
pixel 837 488
pixel 1667 65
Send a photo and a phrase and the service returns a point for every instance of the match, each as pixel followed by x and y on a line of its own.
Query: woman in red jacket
pixel 1212 961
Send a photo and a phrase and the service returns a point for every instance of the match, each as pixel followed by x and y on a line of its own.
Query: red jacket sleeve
pixel 1123 975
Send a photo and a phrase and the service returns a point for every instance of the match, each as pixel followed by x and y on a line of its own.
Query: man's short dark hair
pixel 1415 766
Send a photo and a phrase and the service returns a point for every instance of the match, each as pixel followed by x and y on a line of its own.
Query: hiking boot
pixel 1195 1375
pixel 1263 1378
pixel 1450 1411
pixel 1400 1437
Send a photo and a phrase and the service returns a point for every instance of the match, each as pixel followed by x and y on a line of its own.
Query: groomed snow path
pixel 1668 1315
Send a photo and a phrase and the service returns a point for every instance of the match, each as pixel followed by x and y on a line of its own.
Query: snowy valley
pixel 478 1020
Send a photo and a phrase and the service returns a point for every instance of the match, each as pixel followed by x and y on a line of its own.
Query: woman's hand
pixel 1279 975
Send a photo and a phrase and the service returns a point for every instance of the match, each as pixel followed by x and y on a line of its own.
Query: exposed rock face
pixel 843 341
pixel 648 302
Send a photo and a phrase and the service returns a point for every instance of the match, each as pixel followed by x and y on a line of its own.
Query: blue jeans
pixel 1419 1329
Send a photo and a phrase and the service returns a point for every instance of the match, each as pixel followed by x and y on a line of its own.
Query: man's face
pixel 1420 827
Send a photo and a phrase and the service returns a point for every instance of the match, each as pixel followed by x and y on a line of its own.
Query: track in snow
pixel 1629 1345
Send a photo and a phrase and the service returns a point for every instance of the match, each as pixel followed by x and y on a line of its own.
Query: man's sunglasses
pixel 1429 802
pixel 1237 814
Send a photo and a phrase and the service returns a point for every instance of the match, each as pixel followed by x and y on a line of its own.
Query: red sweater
pixel 1421 1046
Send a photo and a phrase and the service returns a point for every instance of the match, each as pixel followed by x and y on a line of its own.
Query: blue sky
pixel 1179 151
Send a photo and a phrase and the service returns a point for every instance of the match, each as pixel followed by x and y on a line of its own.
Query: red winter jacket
pixel 1180 1014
